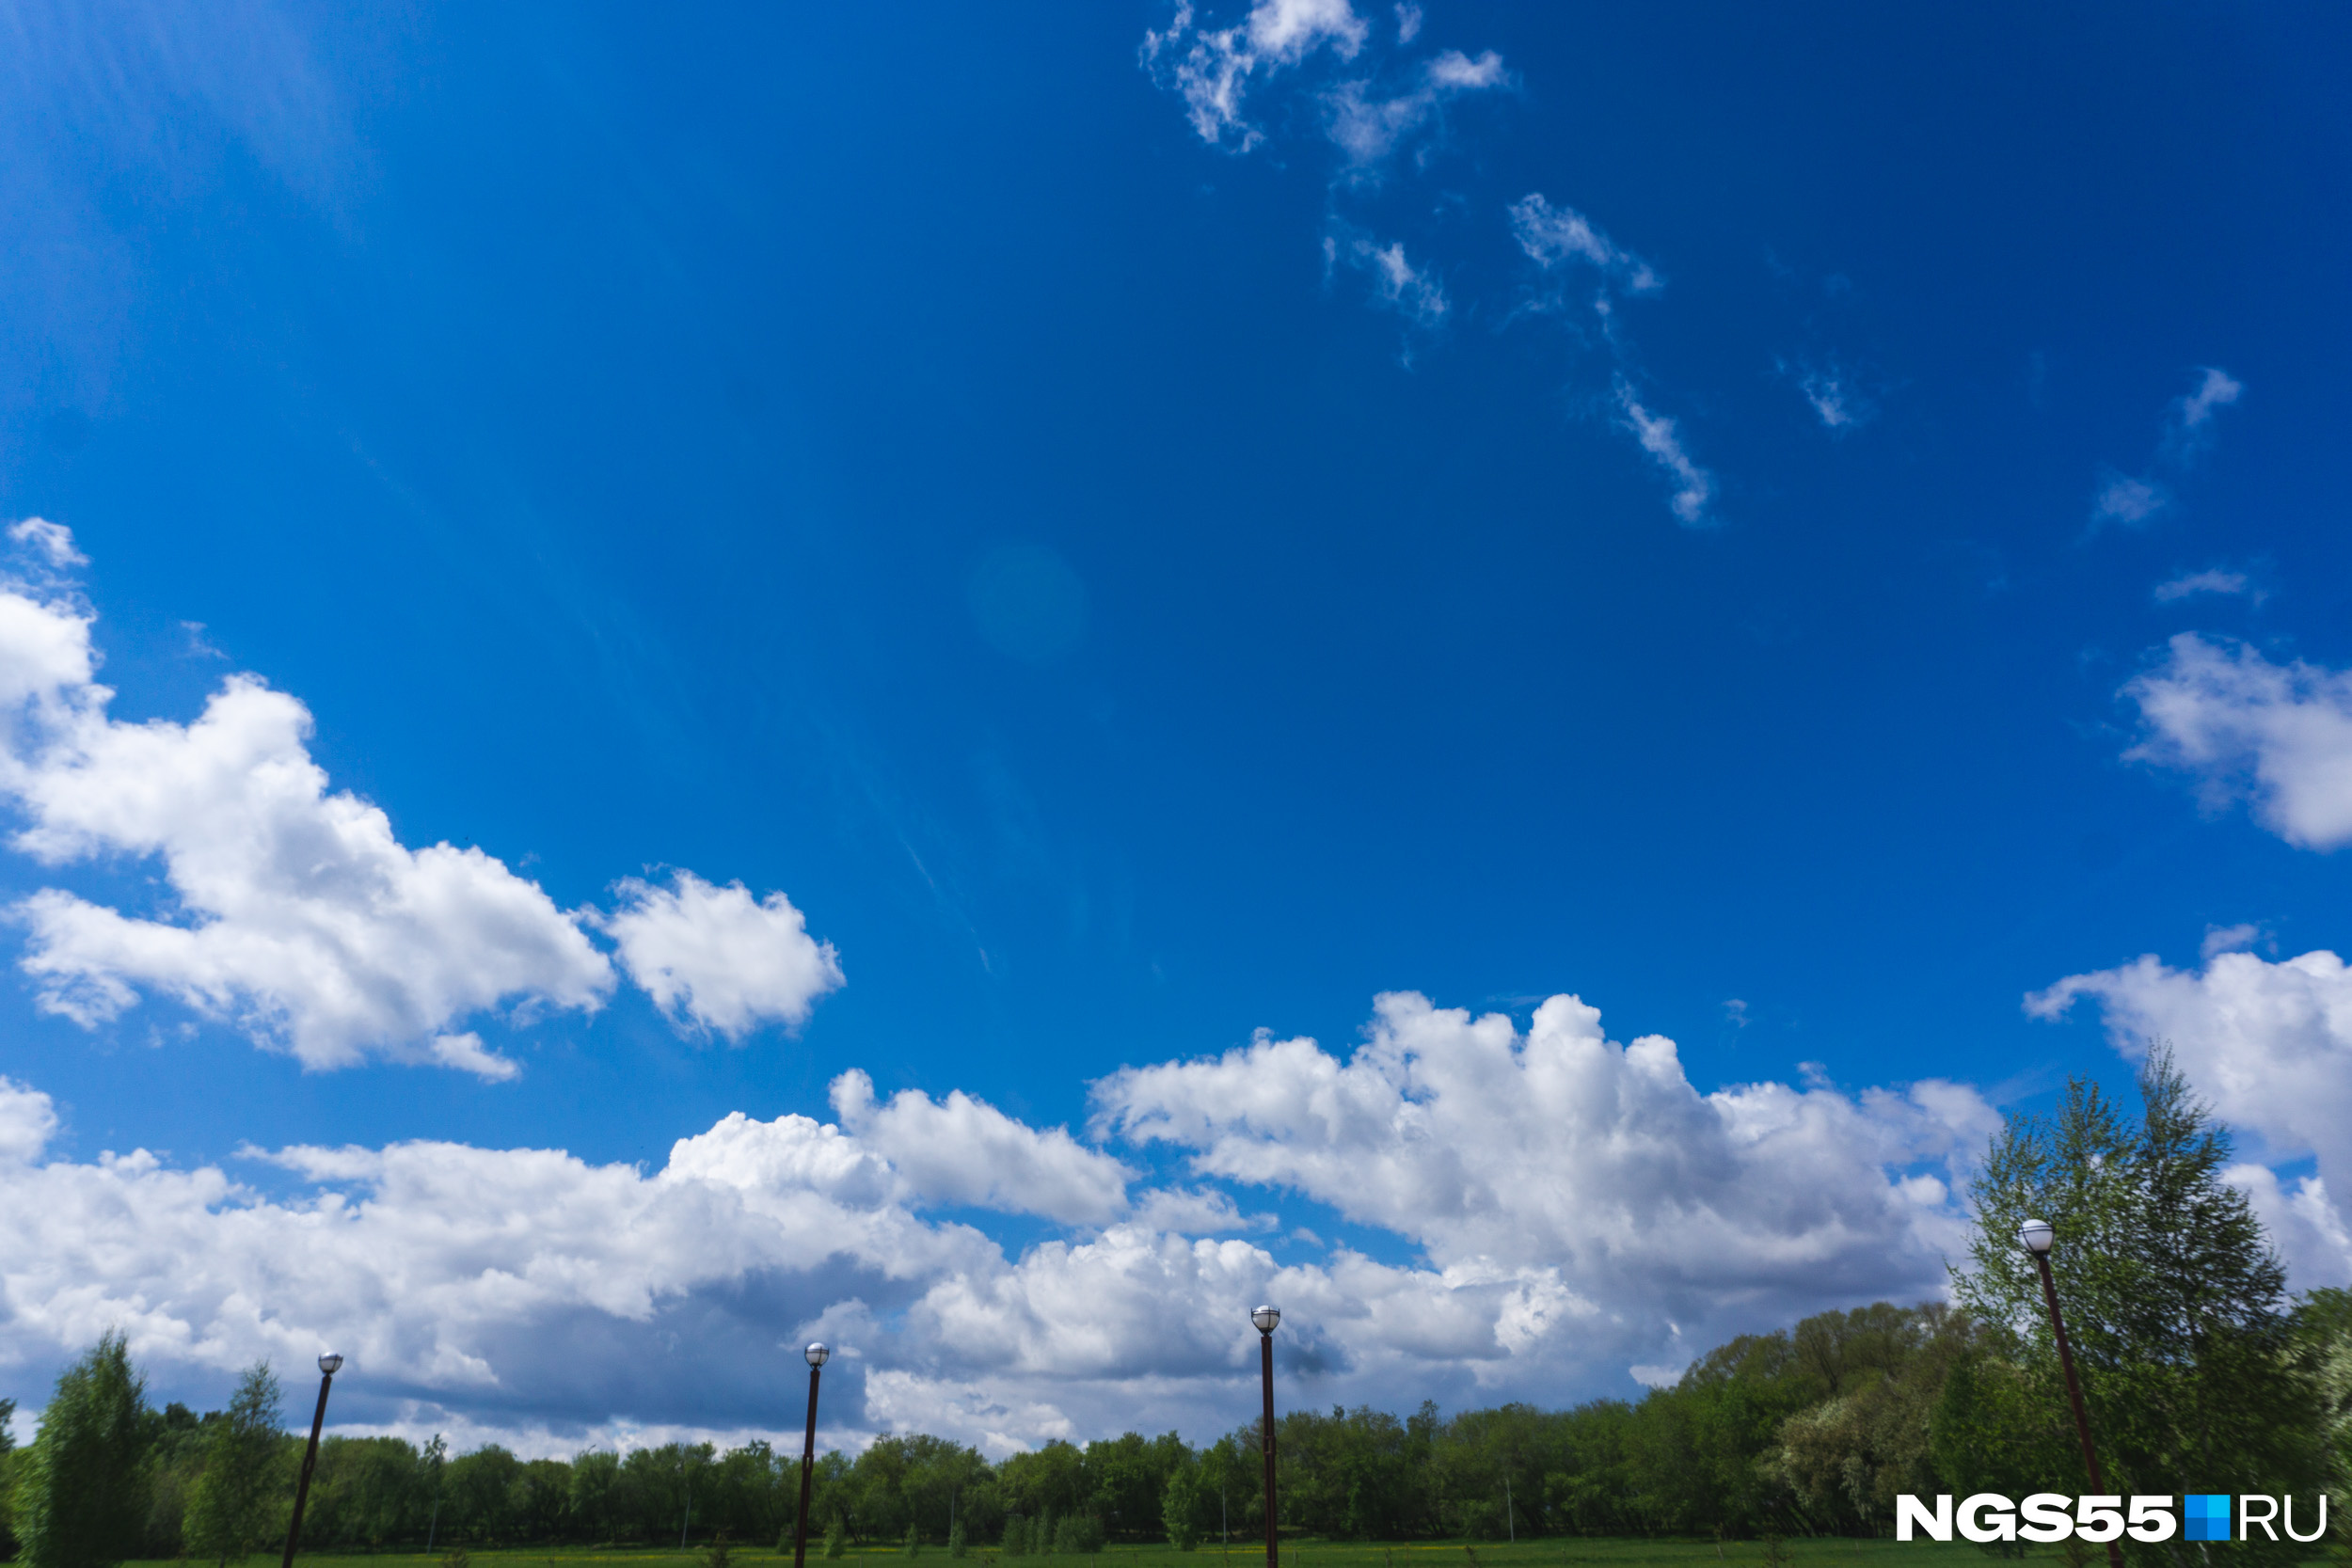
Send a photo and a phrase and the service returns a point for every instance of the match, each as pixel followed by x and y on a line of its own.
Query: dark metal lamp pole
pixel 1266 1318
pixel 329 1365
pixel 816 1355
pixel 2035 1235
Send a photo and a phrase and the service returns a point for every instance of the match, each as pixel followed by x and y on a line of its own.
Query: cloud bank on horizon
pixel 1573 1208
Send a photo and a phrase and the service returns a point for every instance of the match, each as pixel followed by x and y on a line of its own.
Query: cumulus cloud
pixel 965 1152
pixel 2270 1044
pixel 294 911
pixel 718 956
pixel 2244 728
pixel 28 1120
pixel 1571 1200
pixel 1694 487
pixel 1561 1157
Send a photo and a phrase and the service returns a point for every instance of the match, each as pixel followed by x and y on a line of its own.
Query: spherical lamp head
pixel 2035 1237
pixel 818 1354
pixel 1266 1318
pixel 330 1363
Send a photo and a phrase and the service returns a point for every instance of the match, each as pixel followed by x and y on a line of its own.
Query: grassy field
pixel 1600 1552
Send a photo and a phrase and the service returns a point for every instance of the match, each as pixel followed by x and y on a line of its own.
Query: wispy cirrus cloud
pixel 2187 433
pixel 1694 487
pixel 1380 106
pixel 1560 240
pixel 2214 580
pixel 1412 291
pixel 1837 395
pixel 1213 69
pixel 1372 100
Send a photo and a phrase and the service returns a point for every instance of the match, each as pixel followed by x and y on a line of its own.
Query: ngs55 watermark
pixel 2103 1516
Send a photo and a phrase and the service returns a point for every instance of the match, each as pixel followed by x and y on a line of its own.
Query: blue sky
pixel 1145 525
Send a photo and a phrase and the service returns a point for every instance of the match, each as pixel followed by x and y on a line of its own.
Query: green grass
pixel 1558 1552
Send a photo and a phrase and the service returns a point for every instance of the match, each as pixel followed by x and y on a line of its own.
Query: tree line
pixel 2199 1372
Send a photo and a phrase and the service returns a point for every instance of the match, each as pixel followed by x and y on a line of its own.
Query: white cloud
pixel 718 957
pixel 1407 23
pixel 1561 1151
pixel 2187 432
pixel 1694 487
pixel 467 1053
pixel 1569 1198
pixel 1288 30
pixel 1555 237
pixel 2211 581
pixel 1835 398
pixel 2278 735
pixel 292 910
pixel 2189 423
pixel 1411 292
pixel 2125 498
pixel 309 924
pixel 28 1120
pixel 2228 939
pixel 1210 69
pixel 966 1152
pixel 52 542
pixel 1368 128
pixel 2270 1044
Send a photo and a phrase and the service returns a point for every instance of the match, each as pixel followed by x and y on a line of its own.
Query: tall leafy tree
pixel 82 1490
pixel 2174 1301
pixel 238 1500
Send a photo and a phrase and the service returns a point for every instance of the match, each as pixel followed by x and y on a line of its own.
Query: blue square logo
pixel 2205 1516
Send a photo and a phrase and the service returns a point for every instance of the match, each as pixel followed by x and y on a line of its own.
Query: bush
pixel 1078 1534
pixel 955 1546
pixel 1016 1540
pixel 837 1539
pixel 913 1543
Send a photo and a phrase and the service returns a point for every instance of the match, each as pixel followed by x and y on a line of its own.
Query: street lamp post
pixel 2035 1235
pixel 329 1365
pixel 1266 1318
pixel 816 1354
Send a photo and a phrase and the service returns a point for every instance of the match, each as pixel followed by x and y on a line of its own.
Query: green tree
pixel 1847 1458
pixel 2174 1303
pixel 1180 1507
pixel 2323 1324
pixel 235 1503
pixel 8 1480
pixel 82 1490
